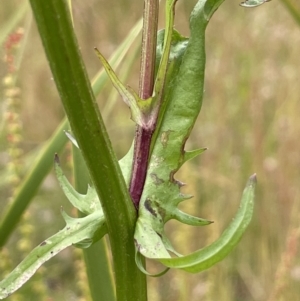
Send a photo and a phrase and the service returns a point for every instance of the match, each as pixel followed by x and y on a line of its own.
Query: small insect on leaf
pixel 253 3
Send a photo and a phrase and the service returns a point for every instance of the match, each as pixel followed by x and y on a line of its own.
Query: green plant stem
pixel 31 183
pixel 68 70
pixel 147 69
pixel 143 136
pixel 39 170
pixel 95 257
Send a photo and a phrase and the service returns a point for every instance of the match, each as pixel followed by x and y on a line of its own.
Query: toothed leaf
pixel 189 155
pixel 77 231
pixel 87 203
pixel 217 251
pixel 180 108
pixel 182 100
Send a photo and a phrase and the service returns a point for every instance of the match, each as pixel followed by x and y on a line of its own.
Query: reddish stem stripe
pixel 143 136
pixel 140 164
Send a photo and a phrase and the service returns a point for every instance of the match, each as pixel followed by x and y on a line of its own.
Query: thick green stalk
pixel 68 70
pixel 39 170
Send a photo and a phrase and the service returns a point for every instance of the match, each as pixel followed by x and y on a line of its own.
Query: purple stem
pixel 140 164
pixel 143 136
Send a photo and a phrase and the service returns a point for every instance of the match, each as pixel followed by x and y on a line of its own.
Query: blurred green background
pixel 249 121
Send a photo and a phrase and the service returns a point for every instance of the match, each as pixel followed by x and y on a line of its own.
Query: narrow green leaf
pixel 117 57
pixel 162 69
pixel 39 168
pixel 190 220
pixel 291 7
pixel 129 96
pixel 70 9
pixel 91 227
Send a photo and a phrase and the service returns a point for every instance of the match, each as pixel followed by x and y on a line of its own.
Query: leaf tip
pixel 189 155
pixel 71 138
pixel 252 180
pixel 253 3
pixel 56 159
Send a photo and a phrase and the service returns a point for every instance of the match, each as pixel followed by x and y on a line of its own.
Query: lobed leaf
pixel 88 203
pixel 180 108
pixel 182 100
pixel 81 231
pixel 217 251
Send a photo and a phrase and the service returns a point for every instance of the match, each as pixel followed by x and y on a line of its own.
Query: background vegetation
pixel 249 122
